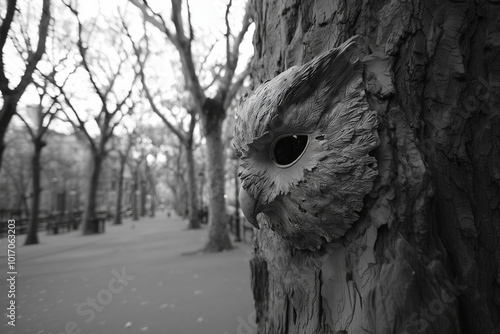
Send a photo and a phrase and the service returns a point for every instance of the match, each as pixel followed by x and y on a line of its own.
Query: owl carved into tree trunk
pixel 370 154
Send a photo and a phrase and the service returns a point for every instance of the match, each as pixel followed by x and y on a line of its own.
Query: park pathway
pixel 140 277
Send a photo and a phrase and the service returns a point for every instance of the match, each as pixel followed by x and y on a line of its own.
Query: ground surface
pixel 162 290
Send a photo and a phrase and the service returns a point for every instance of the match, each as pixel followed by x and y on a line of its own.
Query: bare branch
pixel 215 76
pixel 236 85
pixel 34 57
pixel 83 54
pixel 191 34
pixel 152 17
pixel 228 31
pixel 177 21
pixel 27 39
pixel 182 45
pixel 30 130
pixel 81 123
pixel 51 115
pixel 43 31
pixel 233 53
pixel 149 97
pixel 17 45
pixel 204 61
pixel 111 130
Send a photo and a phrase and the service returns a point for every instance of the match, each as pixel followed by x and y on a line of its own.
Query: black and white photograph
pixel 250 167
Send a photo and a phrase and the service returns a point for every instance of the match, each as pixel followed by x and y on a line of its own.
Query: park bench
pixel 76 219
pixel 57 224
pixel 99 222
pixel 63 222
pixel 21 222
pixel 22 226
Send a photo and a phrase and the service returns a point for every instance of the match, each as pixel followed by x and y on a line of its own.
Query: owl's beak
pixel 248 205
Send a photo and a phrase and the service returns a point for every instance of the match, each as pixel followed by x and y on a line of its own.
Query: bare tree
pixel 211 110
pixel 43 117
pixel 150 179
pixel 135 166
pixel 175 175
pixel 171 120
pixel 10 95
pixel 123 156
pixel 114 106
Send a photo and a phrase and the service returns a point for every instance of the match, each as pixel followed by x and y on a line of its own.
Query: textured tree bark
pixel 32 237
pixel 218 237
pixel 424 256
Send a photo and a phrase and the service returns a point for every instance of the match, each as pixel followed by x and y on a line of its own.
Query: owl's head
pixel 304 140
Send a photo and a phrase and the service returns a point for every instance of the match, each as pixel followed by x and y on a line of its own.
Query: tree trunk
pixel 152 206
pixel 119 192
pixel 144 191
pixel 218 236
pixel 8 110
pixel 424 255
pixel 194 221
pixel 90 202
pixel 32 237
pixel 135 204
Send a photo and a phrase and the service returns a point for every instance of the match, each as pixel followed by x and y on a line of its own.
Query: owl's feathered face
pixel 304 139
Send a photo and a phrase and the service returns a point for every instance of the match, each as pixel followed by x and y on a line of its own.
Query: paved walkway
pixel 135 278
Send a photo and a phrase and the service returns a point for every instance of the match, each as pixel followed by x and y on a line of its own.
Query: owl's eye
pixel 287 150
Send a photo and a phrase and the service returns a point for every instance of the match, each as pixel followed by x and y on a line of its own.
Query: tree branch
pixel 34 58
pixel 81 123
pixel 83 54
pixel 149 97
pixel 182 44
pixel 233 53
pixel 30 130
pixel 153 18
pixel 236 85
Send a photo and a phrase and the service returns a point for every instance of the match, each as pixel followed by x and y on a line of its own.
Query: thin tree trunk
pixel 152 207
pixel 90 202
pixel 424 256
pixel 32 237
pixel 119 192
pixel 144 191
pixel 218 236
pixel 135 204
pixel 194 221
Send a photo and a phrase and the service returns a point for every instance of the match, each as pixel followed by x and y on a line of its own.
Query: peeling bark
pixel 424 256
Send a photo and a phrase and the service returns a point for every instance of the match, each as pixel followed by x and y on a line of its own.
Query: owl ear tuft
pixel 325 76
